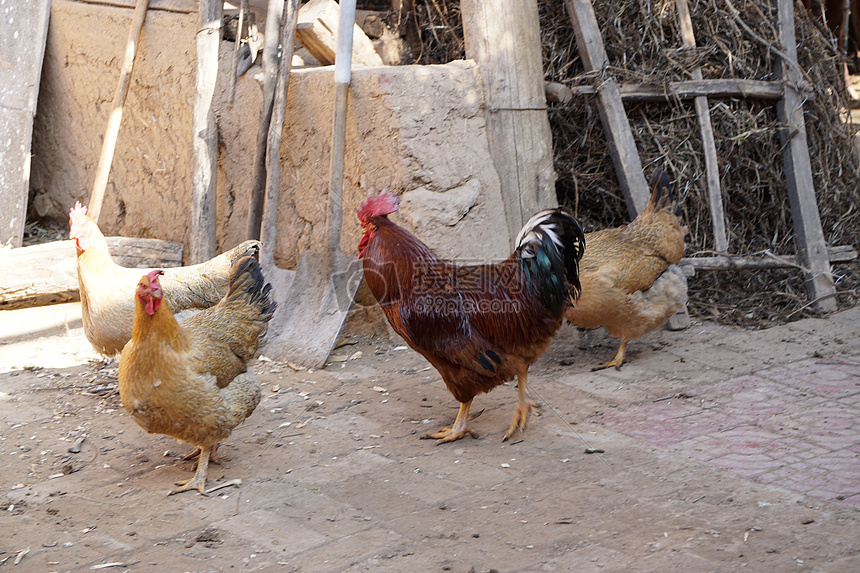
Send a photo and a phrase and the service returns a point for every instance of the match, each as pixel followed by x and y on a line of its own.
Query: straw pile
pixel 644 46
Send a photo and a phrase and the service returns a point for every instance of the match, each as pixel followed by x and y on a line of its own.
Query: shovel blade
pixel 309 320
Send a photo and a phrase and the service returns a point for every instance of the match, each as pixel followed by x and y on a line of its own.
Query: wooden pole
pixel 268 81
pixel 271 157
pixel 503 37
pixel 809 235
pixel 709 147
pixel 112 130
pixel 204 145
pixel 616 126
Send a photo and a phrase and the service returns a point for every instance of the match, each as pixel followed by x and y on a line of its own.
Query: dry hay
pixel 644 46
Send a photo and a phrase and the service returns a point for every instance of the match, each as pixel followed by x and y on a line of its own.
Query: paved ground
pixel 716 449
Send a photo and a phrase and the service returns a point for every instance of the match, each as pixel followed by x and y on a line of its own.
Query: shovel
pixel 308 322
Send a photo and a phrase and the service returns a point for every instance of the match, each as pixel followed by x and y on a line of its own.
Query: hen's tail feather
pixel 661 192
pixel 247 281
pixel 249 248
pixel 549 248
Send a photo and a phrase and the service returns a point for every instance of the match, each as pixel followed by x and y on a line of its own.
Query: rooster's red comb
pixel 383 204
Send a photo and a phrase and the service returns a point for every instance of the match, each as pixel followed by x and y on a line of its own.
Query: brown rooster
pixel 631 283
pixel 107 289
pixel 190 380
pixel 479 326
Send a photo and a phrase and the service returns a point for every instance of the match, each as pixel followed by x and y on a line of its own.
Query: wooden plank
pixel 709 148
pixel 204 141
pixel 503 37
pixel 839 254
pixel 689 89
pixel 619 137
pixel 46 273
pixel 811 245
pixel 317 32
pixel 22 49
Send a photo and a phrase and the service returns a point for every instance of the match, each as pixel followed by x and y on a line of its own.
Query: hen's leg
pixel 619 357
pixel 198 482
pixel 459 429
pixel 524 406
pixel 212 455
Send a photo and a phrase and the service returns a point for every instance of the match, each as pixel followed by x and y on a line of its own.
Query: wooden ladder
pixel 814 257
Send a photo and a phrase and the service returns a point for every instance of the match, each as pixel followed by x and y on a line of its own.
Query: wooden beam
pixel 503 38
pixel 616 127
pixel 686 90
pixel 46 274
pixel 840 254
pixel 709 148
pixel 204 142
pixel 180 6
pixel 811 245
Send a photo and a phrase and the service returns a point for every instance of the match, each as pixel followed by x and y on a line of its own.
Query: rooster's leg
pixel 619 357
pixel 459 429
pixel 198 482
pixel 524 406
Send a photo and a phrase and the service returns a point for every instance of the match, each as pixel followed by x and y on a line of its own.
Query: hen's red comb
pixel 383 204
pixel 77 211
pixel 152 276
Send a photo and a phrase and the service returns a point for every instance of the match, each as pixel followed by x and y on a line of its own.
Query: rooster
pixel 631 283
pixel 479 326
pixel 190 380
pixel 107 289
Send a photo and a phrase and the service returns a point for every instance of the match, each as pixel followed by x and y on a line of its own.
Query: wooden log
pixel 689 89
pixel 204 141
pixel 709 148
pixel 45 274
pixel 809 235
pixel 616 127
pixel 558 93
pixel 503 38
pixel 317 32
pixel 839 254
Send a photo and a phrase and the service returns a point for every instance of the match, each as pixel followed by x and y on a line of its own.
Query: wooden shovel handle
pixel 111 132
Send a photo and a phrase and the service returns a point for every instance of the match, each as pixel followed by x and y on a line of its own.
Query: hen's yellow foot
pixel 196 482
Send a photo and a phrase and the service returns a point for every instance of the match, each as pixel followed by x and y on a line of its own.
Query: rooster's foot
pixel 521 418
pixel 610 364
pixel 450 434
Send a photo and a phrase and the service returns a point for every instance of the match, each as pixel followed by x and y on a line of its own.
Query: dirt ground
pixel 334 476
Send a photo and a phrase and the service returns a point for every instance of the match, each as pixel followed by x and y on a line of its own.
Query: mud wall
pixel 418 130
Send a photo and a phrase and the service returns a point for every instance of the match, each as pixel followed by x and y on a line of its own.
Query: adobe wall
pixel 418 130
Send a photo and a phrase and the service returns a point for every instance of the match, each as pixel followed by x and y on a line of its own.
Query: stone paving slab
pixel 795 425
